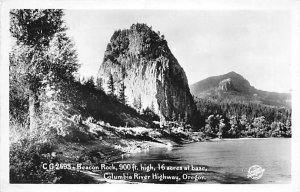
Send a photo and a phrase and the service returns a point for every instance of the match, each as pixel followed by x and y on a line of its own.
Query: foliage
pixel 238 127
pixel 149 115
pixel 174 116
pixel 243 119
pixel 41 46
pixel 26 162
pixel 90 83
pixel 122 96
pixel 137 103
pixel 91 102
pixel 99 84
pixel 149 43
pixel 207 107
pixel 35 26
pixel 111 86
pixel 212 126
pixel 42 56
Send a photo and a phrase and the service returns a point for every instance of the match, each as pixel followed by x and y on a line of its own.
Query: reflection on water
pixel 226 161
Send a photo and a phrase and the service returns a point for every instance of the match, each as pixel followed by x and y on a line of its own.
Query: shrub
pixel 26 161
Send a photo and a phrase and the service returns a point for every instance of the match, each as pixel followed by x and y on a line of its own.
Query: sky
pixel 254 43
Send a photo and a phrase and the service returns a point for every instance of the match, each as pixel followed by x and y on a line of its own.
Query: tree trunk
pixel 33 112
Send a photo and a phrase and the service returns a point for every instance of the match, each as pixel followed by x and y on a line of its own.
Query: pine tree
pixel 122 97
pixel 179 118
pixel 173 116
pixel 90 83
pixel 135 103
pixel 42 51
pixel 99 84
pixel 111 86
pixel 139 103
pixel 152 108
pixel 186 118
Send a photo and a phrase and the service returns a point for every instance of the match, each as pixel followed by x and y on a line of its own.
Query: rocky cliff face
pixel 226 85
pixel 140 58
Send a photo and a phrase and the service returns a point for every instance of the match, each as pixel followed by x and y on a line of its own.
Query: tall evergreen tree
pixel 111 86
pixel 186 117
pixel 137 103
pixel 174 116
pixel 41 54
pixel 90 83
pixel 99 84
pixel 122 97
pixel 152 108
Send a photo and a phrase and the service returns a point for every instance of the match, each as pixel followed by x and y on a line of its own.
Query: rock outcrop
pixel 141 59
pixel 226 85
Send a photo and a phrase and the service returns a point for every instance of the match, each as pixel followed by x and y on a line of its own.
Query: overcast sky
pixel 255 44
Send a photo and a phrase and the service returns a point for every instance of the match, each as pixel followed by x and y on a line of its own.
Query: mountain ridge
pixel 234 87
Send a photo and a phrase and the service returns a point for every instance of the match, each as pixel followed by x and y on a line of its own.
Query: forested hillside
pixel 240 119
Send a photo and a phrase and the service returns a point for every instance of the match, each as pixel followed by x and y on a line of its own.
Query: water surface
pixel 227 161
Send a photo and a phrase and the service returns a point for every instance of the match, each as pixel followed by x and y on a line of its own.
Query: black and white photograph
pixel 149 96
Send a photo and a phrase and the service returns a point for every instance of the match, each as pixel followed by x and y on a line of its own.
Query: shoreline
pixel 244 138
pixel 98 179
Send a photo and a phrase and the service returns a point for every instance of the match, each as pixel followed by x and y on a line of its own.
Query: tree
pixel 99 84
pixel 139 103
pixel 179 118
pixel 111 86
pixel 174 116
pixel 152 108
pixel 186 118
pixel 221 128
pixel 209 127
pixel 135 103
pixel 234 127
pixel 122 96
pixel 90 83
pixel 36 27
pixel 34 31
pixel 288 125
pixel 276 128
pixel 259 125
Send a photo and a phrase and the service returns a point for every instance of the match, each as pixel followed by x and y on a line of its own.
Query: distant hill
pixel 235 88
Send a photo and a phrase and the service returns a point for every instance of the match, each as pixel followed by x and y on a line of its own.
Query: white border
pixel 290 5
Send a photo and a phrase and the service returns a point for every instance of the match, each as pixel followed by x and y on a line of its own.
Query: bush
pixel 75 134
pixel 26 164
pixel 26 161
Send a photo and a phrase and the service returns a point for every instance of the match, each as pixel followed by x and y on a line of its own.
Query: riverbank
pixel 132 150
pixel 244 138
pixel 110 144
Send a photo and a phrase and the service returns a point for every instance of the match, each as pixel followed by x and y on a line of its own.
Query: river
pixel 227 161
